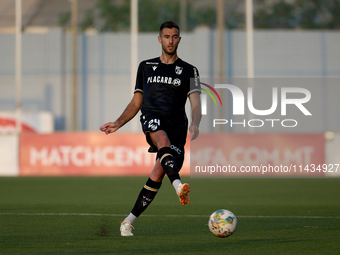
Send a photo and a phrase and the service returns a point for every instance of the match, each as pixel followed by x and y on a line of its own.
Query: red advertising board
pixel 90 154
pixel 39 122
pixel 8 125
pixel 125 154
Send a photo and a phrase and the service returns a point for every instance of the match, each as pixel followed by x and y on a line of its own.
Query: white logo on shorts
pixel 154 123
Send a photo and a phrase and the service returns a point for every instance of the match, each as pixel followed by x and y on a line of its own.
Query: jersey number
pixel 154 123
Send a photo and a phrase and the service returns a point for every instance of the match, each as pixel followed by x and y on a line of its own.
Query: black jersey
pixel 165 88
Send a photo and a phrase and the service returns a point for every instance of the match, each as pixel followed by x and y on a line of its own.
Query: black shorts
pixel 177 134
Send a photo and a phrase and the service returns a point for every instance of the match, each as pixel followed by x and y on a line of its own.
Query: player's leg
pixel 145 197
pixel 165 154
pixel 167 159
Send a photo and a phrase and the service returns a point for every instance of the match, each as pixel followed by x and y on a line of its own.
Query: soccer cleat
pixel 126 228
pixel 183 193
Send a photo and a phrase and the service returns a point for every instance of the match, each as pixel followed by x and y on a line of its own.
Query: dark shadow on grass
pixel 104 227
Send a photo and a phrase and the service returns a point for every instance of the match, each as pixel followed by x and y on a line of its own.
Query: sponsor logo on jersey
pixel 177 82
pixel 152 63
pixel 154 68
pixel 178 70
pixel 159 79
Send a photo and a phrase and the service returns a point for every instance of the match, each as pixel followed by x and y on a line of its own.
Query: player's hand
pixel 193 131
pixel 109 127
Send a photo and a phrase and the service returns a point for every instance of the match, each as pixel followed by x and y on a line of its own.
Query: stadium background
pixel 104 76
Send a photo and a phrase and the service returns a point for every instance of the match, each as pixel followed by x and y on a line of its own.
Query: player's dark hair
pixel 168 24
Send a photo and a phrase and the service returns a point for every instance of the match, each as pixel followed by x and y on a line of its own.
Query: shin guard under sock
pixel 146 196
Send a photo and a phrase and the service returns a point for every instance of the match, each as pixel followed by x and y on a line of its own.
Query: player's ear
pixel 179 39
pixel 159 39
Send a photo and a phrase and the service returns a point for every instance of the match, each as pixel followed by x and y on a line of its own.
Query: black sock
pixel 168 163
pixel 146 196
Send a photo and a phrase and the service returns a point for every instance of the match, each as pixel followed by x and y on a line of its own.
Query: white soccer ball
pixel 222 223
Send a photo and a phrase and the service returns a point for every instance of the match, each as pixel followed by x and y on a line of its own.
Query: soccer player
pixel 161 91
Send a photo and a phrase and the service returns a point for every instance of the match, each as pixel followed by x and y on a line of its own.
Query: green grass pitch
pixel 82 215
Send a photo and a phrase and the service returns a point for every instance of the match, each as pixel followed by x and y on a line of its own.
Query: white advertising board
pixel 9 155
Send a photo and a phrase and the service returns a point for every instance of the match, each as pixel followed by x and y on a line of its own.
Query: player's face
pixel 169 39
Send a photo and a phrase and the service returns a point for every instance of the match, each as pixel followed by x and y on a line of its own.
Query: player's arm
pixel 196 115
pixel 129 112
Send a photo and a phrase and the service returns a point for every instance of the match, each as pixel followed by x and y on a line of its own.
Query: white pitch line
pixel 170 215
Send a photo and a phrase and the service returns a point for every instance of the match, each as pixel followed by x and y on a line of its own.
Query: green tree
pixel 88 21
pixel 319 13
pixel 306 14
pixel 153 13
pixel 111 15
pixel 64 19
pixel 278 15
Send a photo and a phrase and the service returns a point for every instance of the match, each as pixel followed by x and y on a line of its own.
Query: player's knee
pixel 160 139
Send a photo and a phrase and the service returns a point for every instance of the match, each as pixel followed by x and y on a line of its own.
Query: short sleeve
pixel 195 86
pixel 139 79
